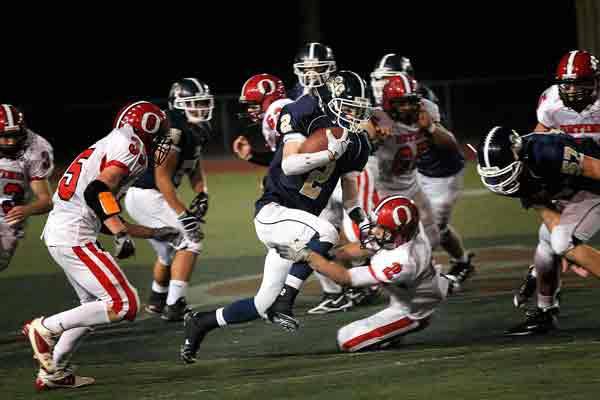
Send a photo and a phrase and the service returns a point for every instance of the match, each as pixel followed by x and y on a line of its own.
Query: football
pixel 317 141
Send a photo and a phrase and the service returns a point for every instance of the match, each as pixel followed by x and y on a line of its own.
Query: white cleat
pixel 42 342
pixel 61 379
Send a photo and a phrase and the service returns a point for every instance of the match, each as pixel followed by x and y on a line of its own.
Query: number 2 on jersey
pixel 315 178
pixel 68 183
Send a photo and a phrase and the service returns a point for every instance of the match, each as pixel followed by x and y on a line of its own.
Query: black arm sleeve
pixel 262 158
pixel 91 196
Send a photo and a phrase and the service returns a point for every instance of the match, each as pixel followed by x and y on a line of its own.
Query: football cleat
pixel 42 342
pixel 194 330
pixel 539 321
pixel 360 296
pixel 527 288
pixel 156 303
pixel 453 284
pixel 61 379
pixel 287 322
pixel 332 302
pixel 177 311
pixel 462 270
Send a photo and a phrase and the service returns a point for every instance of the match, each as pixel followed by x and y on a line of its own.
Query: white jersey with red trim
pixel 553 114
pixel 36 163
pixel 71 222
pixel 406 265
pixel 269 123
pixel 397 155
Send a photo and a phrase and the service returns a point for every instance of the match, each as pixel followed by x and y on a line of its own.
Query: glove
pixel 191 226
pixel 168 234
pixel 337 147
pixel 124 246
pixel 199 206
pixel 296 251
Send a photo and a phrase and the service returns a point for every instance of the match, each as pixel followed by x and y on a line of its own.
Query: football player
pixel 440 168
pixel 570 106
pixel 85 203
pixel 26 163
pixel 313 64
pixel 297 189
pixel 557 175
pixel 153 200
pixel 263 97
pixel 400 262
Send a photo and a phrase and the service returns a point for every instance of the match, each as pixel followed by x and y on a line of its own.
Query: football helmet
pixel 498 161
pixel 395 221
pixel 150 124
pixel 401 99
pixel 193 99
pixel 258 92
pixel 577 79
pixel 313 64
pixel 390 64
pixel 14 137
pixel 345 100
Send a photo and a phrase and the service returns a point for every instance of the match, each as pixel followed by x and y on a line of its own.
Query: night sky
pixel 91 56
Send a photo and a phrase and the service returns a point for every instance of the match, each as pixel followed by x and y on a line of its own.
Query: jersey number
pixel 391 271
pixel 405 159
pixel 17 192
pixel 68 183
pixel 311 187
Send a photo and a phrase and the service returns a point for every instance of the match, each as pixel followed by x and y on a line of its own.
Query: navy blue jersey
pixel 296 91
pixel 440 162
pixel 188 141
pixel 310 191
pixel 553 166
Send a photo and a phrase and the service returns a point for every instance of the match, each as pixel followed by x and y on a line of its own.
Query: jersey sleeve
pixel 41 159
pixel 390 267
pixel 269 126
pixel 552 155
pixel 432 109
pixel 126 152
pixel 544 116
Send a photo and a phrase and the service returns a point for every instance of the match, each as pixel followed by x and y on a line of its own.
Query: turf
pixel 462 355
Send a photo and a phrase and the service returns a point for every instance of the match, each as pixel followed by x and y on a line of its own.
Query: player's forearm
pixel 440 136
pixel 115 224
pixel 351 251
pixel 139 231
pixel 40 205
pixel 198 180
pixel 298 164
pixel 331 269
pixel 591 167
pixel 169 192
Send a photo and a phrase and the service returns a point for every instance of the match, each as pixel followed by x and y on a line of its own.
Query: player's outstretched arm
pixel 40 205
pixel 294 163
pixel 163 175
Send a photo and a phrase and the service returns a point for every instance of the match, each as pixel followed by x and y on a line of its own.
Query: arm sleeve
pixel 543 110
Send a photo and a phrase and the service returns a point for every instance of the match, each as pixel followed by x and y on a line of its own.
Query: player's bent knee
pixel 561 240
pixel 188 245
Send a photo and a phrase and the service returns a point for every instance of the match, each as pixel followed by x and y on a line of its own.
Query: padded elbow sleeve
pixel 100 199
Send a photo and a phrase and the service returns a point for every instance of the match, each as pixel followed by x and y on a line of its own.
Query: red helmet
pixel 577 79
pixel 401 87
pixel 399 218
pixel 12 125
pixel 150 124
pixel 258 92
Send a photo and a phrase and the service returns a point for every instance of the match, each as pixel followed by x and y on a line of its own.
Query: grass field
pixel 462 355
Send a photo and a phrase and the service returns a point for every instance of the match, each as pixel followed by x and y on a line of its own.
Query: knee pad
pixel 561 240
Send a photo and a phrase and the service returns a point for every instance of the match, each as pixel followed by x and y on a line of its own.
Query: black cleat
pixel 156 303
pixel 332 302
pixel 527 288
pixel 280 312
pixel 177 311
pixel 286 321
pixel 538 321
pixel 194 329
pixel 462 270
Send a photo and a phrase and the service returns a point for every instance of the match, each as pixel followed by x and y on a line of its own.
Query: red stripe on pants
pixel 378 332
pixel 131 297
pixel 117 303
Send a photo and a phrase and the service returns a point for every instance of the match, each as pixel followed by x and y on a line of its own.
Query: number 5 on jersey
pixel 68 183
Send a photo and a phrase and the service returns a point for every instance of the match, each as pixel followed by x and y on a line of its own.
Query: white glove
pixel 124 246
pixel 295 251
pixel 337 147
pixel 191 226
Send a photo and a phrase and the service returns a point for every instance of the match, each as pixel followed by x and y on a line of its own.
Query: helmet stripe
pixel 10 120
pixel 127 109
pixel 571 62
pixel 362 85
pixel 406 83
pixel 486 146
pixel 384 59
pixel 197 83
pixel 311 50
pixel 386 200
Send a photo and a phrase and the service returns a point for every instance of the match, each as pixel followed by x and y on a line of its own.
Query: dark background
pixel 71 69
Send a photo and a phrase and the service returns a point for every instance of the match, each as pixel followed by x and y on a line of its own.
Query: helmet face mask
pixel 346 101
pixel 192 98
pixel 578 94
pixel 14 138
pixel 406 109
pixel 350 114
pixel 389 65
pixel 313 65
pixel 499 164
pixel 577 79
pixel 504 181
